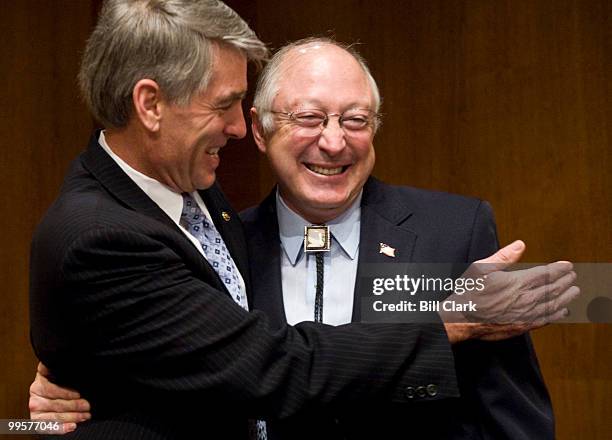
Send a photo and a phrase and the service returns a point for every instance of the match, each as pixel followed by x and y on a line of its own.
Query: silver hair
pixel 268 88
pixel 168 41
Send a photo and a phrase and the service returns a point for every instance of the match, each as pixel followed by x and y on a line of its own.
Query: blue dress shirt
pixel 298 270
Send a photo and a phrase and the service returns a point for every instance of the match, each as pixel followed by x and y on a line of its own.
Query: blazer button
pixel 409 392
pixel 421 391
pixel 432 389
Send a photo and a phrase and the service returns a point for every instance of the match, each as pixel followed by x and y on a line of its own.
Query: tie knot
pixel 191 214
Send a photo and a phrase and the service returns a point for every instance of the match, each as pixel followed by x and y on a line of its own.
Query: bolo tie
pixel 317 240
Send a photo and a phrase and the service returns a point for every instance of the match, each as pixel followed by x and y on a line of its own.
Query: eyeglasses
pixel 314 121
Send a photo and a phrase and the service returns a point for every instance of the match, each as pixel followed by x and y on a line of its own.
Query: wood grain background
pixel 507 100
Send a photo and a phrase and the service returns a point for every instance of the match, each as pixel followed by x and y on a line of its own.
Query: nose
pixel 332 140
pixel 235 126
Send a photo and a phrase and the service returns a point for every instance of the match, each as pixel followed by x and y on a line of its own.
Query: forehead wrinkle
pixel 319 68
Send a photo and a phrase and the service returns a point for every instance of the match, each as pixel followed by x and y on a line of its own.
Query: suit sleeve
pixel 503 378
pixel 138 318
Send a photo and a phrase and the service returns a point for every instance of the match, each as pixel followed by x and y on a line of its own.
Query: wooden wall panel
pixel 507 100
pixel 43 126
pixel 239 169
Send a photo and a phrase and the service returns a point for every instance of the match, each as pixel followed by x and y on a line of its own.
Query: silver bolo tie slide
pixel 317 239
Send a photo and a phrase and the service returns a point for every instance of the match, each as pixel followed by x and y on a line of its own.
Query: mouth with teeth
pixel 213 151
pixel 326 171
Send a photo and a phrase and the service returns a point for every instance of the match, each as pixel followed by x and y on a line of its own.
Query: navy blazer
pixel 126 310
pixel 503 395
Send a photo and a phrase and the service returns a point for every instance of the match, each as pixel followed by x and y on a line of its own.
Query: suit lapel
pixel 128 194
pixel 383 214
pixel 264 250
pixel 117 183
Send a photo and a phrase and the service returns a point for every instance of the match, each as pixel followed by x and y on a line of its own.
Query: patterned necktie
pixel 216 253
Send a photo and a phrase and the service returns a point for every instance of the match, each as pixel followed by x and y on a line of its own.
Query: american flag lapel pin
pixel 387 250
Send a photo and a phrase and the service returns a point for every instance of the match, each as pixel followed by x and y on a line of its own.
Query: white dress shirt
pixel 169 201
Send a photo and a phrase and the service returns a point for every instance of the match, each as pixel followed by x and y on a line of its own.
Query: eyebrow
pixel 234 96
pixel 316 103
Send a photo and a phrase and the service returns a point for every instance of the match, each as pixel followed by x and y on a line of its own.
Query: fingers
pixel 511 254
pixel 49 401
pixel 559 314
pixel 42 369
pixel 543 275
pixel 567 297
pixel 546 300
pixel 550 310
pixel 42 404
pixel 68 427
pixel 530 297
pixel 559 269
pixel 549 292
pixel 503 258
pixel 65 429
pixel 42 387
pixel 65 417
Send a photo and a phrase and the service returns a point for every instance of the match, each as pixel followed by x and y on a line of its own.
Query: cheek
pixel 365 157
pixel 364 149
pixel 287 158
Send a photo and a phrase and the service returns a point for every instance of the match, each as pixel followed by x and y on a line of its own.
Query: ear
pixel 147 99
pixel 257 129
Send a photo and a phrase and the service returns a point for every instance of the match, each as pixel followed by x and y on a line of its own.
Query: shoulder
pixel 84 210
pixel 82 204
pixel 448 226
pixel 425 204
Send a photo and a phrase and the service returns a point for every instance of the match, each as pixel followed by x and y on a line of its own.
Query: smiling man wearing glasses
pixel 317 128
pixel 315 115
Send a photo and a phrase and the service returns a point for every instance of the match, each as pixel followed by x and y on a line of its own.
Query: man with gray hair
pixel 139 291
pixel 139 278
pixel 315 114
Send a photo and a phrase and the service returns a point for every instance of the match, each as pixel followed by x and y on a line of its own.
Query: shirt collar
pixel 344 229
pixel 169 201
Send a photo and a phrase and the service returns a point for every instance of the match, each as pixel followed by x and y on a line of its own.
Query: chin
pixel 206 183
pixel 325 202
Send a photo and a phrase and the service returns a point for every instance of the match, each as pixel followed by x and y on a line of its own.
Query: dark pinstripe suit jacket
pixel 125 309
pixel 503 395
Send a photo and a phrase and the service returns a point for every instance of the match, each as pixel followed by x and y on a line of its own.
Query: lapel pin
pixel 387 250
pixel 316 238
pixel 225 216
